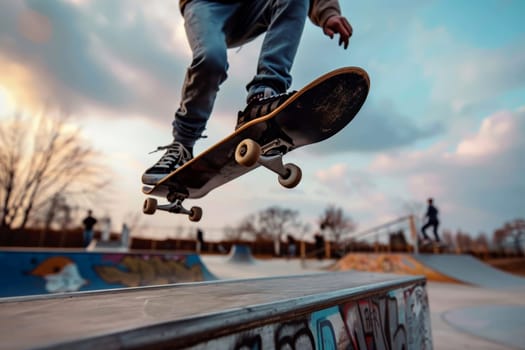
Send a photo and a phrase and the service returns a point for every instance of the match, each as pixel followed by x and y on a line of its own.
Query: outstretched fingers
pixel 339 25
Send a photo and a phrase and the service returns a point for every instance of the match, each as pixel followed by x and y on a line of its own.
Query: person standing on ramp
pixel 432 220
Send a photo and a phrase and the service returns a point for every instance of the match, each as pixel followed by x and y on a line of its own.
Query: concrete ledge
pixel 345 309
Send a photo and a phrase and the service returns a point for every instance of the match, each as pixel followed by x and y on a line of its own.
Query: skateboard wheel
pixel 195 214
pixel 294 176
pixel 247 152
pixel 150 206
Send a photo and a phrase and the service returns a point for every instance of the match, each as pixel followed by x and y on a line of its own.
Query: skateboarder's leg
pixel 204 23
pixel 435 226
pixel 283 34
pixel 283 21
pixel 423 229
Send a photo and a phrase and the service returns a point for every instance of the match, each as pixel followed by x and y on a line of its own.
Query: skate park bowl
pixel 42 271
pixel 240 254
pixel 349 310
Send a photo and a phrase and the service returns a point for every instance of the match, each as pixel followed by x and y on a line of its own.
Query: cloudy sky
pixel 445 117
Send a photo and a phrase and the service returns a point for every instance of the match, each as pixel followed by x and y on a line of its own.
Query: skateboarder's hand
pixel 338 25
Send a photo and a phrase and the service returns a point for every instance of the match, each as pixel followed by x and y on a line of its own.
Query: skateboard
pixel 436 247
pixel 312 114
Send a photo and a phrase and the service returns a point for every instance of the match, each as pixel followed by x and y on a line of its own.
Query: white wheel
pixel 247 153
pixel 293 178
pixel 196 214
pixel 150 206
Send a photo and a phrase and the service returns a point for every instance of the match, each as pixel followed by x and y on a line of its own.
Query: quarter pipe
pixel 436 267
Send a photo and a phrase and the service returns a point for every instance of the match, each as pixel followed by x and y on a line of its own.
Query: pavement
pixel 471 317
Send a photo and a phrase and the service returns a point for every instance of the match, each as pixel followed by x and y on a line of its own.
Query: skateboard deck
pixel 312 114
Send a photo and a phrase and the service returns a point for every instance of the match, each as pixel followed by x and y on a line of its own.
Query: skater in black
pixel 432 220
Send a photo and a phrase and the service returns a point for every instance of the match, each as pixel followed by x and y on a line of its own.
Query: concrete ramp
pixel 403 264
pixel 240 254
pixel 42 271
pixel 344 310
pixel 436 267
pixel 468 269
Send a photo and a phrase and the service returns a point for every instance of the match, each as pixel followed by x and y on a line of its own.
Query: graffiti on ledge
pixel 395 320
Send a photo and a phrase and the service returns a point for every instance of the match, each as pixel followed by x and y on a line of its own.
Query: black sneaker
pixel 259 106
pixel 176 155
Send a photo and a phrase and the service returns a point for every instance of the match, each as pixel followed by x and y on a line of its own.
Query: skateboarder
pixel 88 222
pixel 212 26
pixel 432 220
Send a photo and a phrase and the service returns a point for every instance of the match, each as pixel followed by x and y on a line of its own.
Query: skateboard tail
pixel 330 106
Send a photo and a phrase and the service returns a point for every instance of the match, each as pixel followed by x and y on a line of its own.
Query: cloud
pixel 466 77
pixel 339 178
pixel 478 180
pixel 498 134
pixel 377 127
pixel 103 53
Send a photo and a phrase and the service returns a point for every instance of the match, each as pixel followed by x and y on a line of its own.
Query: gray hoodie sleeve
pixel 321 10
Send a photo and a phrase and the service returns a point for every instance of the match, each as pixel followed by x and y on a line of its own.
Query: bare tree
pixel 244 230
pixel 270 224
pixel 481 243
pixel 515 231
pixel 45 167
pixel 336 223
pixel 464 241
pixel 448 238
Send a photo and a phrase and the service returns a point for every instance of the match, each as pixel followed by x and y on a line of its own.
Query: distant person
pixel 292 247
pixel 200 240
pixel 432 220
pixel 124 236
pixel 89 222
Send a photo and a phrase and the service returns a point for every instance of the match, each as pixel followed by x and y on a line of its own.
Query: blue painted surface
pixel 241 254
pixel 43 272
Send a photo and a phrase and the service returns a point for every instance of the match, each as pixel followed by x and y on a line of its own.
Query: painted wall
pixel 42 272
pixel 397 319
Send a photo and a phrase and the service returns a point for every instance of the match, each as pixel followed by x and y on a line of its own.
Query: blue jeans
pixel 88 237
pixel 211 28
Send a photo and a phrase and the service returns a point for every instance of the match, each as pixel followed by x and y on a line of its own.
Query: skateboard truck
pixel 249 153
pixel 175 206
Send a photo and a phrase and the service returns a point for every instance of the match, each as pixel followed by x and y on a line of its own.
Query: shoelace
pixel 175 151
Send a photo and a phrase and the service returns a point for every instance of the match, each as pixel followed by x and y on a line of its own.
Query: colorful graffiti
pixel 389 263
pixel 61 274
pixel 395 320
pixel 30 273
pixel 133 271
